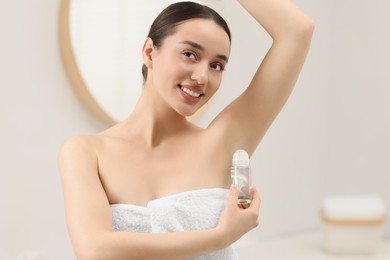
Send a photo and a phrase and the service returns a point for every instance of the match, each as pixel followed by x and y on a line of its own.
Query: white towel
pixel 185 211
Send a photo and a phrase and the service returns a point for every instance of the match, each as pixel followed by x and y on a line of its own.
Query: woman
pixel 158 180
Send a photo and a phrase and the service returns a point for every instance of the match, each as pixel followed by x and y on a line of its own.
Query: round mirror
pixel 101 43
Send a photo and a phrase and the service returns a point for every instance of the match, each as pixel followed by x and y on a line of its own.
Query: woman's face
pixel 187 69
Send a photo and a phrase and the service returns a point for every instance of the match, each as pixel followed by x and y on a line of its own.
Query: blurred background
pixel 331 138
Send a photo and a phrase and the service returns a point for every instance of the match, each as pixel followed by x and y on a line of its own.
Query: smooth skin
pixel 156 152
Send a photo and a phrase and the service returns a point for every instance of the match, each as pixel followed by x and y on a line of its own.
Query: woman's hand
pixel 235 221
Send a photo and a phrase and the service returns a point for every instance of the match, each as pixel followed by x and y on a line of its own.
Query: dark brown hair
pixel 166 22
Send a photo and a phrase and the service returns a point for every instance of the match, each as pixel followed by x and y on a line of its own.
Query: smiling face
pixel 186 70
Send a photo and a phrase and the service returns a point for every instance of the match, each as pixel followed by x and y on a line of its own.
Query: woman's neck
pixel 154 121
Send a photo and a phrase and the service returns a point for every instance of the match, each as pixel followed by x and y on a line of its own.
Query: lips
pixel 190 93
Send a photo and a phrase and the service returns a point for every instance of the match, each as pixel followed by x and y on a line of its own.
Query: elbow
pixel 309 27
pixel 91 250
pixel 87 254
pixel 303 34
pixel 306 30
pixel 299 33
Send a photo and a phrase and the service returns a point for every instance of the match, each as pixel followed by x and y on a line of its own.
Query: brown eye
pixel 217 66
pixel 189 54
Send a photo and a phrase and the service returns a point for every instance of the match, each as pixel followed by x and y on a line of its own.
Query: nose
pixel 200 74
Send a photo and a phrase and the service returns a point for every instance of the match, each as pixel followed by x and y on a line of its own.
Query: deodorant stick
pixel 241 176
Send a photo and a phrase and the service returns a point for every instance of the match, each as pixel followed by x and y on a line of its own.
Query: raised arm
pixel 245 121
pixel 89 217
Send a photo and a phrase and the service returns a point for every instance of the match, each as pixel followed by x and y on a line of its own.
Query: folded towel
pixel 185 211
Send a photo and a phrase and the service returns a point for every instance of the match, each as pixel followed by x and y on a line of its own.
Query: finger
pixel 233 195
pixel 233 191
pixel 255 198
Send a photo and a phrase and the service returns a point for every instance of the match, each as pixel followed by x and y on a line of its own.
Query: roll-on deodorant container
pixel 241 176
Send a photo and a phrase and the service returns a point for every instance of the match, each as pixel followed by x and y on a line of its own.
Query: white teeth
pixel 190 92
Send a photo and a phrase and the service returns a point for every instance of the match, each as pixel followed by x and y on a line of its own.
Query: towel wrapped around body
pixel 184 211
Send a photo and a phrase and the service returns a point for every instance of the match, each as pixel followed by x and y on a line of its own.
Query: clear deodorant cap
pixel 241 176
pixel 241 158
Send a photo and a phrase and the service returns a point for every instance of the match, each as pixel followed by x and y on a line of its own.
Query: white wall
pixel 332 137
pixel 354 70
pixel 39 111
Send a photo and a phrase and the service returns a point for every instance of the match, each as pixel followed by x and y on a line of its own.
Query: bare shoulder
pixel 78 152
pixel 77 143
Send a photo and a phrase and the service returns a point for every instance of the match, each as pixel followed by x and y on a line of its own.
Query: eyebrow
pixel 201 48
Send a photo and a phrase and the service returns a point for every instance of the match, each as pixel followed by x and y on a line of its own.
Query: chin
pixel 186 112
